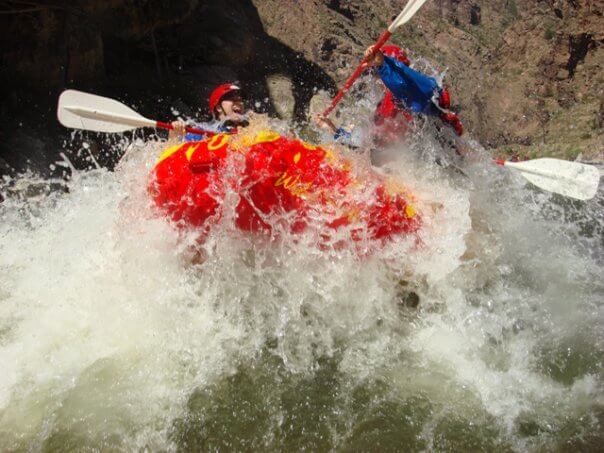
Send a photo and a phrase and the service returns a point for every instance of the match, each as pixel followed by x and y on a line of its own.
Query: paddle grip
pixel 358 71
pixel 191 130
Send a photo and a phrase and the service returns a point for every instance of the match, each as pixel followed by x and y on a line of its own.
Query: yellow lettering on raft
pixel 286 181
pixel 308 146
pixel 265 136
pixel 297 157
pixel 301 188
pixel 218 141
pixel 293 184
pixel 168 152
pixel 191 150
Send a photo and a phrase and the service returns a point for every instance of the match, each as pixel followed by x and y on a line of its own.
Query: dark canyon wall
pixel 154 55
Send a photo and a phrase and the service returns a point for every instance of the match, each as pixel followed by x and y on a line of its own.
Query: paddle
pixel 571 179
pixel 79 110
pixel 407 13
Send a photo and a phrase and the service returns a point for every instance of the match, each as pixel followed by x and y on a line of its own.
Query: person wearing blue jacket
pixel 419 93
pixel 409 92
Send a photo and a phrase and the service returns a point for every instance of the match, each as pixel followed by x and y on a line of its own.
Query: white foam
pixel 106 330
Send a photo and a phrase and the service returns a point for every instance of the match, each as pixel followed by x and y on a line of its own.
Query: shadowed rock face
pixel 153 55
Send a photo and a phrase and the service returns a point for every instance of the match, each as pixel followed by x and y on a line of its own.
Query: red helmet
pixel 397 53
pixel 219 92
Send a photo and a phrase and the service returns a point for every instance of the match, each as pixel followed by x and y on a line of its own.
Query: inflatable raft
pixel 281 183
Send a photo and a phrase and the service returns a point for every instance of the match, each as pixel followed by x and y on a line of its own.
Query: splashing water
pixel 111 337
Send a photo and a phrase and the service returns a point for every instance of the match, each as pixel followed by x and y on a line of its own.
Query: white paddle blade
pixel 571 179
pixel 79 110
pixel 408 12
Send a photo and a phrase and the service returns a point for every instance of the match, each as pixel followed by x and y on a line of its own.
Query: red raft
pixel 279 181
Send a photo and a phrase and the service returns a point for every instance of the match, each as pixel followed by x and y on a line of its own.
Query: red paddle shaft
pixel 191 130
pixel 359 70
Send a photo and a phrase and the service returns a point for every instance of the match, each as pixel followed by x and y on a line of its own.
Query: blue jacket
pixel 411 87
pixel 211 127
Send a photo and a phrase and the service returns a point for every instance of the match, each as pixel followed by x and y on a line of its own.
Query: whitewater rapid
pixel 112 337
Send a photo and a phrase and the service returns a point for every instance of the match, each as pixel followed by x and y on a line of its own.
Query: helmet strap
pixel 219 110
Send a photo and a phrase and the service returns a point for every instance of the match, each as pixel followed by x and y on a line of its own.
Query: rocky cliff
pixel 526 74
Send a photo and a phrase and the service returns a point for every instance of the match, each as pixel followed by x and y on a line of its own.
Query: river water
pixel 113 338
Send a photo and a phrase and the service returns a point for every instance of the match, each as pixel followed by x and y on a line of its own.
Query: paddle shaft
pixel 359 70
pixel 510 164
pixel 547 174
pixel 191 130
